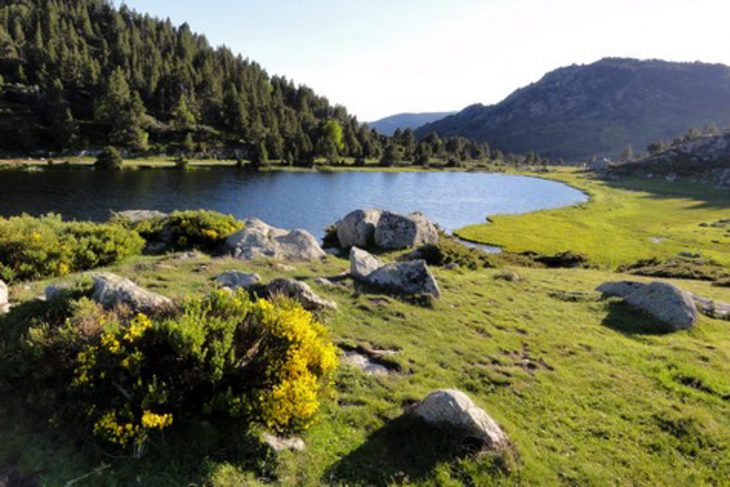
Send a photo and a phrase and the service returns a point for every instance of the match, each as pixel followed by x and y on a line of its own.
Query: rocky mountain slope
pixel 579 111
pixel 388 125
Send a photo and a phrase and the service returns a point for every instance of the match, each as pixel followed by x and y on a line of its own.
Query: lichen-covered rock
pixel 668 304
pixel 237 280
pixel 111 291
pixel 301 292
pixel 453 408
pixel 136 216
pixel 260 240
pixel 362 264
pixel 409 278
pixel 395 232
pixel 357 229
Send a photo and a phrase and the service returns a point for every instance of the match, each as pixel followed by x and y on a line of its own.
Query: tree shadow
pixel 633 323
pixel 706 196
pixel 405 450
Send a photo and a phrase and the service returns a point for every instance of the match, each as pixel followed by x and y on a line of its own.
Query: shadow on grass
pixel 624 319
pixel 706 196
pixel 405 450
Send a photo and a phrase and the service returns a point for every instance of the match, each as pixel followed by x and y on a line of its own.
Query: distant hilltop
pixel 403 121
pixel 598 109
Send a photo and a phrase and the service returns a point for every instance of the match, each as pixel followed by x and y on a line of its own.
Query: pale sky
pixel 380 57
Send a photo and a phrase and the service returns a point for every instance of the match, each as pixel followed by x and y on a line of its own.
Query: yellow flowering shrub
pixel 222 355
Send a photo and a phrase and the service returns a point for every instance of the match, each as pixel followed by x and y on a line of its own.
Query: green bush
pixel 449 251
pixel 186 230
pixel 35 248
pixel 109 158
pixel 222 356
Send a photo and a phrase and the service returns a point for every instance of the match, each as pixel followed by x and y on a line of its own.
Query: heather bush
pixel 126 377
pixel 34 248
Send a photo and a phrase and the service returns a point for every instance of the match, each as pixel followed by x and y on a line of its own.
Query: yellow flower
pixel 151 420
pixel 137 327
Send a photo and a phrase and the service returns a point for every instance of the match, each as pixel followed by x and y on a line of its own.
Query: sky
pixel 381 57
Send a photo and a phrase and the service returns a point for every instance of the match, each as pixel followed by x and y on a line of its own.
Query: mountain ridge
pixel 406 120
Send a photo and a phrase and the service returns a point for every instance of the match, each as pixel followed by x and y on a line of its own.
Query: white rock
pixel 258 239
pixel 357 229
pixel 450 407
pixel 279 444
pixel 668 304
pixel 236 280
pixel 111 290
pixel 301 292
pixel 362 263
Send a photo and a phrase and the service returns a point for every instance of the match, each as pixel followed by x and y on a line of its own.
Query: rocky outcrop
pixel 301 292
pixel 454 409
pixel 408 278
pixel 112 291
pixel 708 307
pixel 395 232
pixel 357 229
pixel 362 264
pixel 369 228
pixel 237 280
pixel 260 240
pixel 4 299
pixel 672 307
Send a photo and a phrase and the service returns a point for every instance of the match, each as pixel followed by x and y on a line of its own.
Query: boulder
pixel 357 229
pixel 301 292
pixel 4 300
pixel 395 232
pixel 258 239
pixel 668 304
pixel 362 264
pixel 411 277
pixel 111 290
pixel 54 290
pixel 136 216
pixel 236 280
pixel 452 408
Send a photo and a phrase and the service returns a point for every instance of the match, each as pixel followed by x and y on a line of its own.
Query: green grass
pixel 587 396
pixel 625 221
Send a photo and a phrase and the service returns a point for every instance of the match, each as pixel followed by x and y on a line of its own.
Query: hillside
pixel 79 75
pixel 579 111
pixel 403 121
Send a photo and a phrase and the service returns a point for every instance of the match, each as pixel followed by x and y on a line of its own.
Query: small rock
pixel 364 363
pixel 111 290
pixel 323 281
pixel 450 407
pixel 283 267
pixel 236 280
pixel 3 294
pixel 137 216
pixel 362 263
pixel 508 275
pixel 301 292
pixel 260 240
pixel 713 309
pixel 279 444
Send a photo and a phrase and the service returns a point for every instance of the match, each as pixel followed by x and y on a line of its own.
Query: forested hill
pixel 83 74
pixel 598 109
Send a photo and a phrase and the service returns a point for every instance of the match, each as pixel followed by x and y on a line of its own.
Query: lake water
pixel 305 200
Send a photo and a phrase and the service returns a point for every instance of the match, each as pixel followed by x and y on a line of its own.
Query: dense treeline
pixel 84 74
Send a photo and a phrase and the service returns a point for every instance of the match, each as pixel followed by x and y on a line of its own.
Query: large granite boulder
pixel 4 299
pixel 410 277
pixel 395 232
pixel 452 408
pixel 111 291
pixel 362 264
pixel 357 229
pixel 237 280
pixel 672 307
pixel 258 239
pixel 301 292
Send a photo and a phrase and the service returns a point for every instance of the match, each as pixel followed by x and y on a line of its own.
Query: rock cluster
pixel 452 408
pixel 111 291
pixel 260 240
pixel 370 228
pixel 409 278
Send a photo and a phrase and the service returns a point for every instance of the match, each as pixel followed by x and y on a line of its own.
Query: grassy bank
pixel 586 395
pixel 625 221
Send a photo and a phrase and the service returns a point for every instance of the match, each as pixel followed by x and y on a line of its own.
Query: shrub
pixel 34 248
pixel 677 268
pixel 449 251
pixel 109 158
pixel 223 356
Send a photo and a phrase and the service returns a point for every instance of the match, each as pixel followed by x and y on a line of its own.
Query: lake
pixel 285 199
